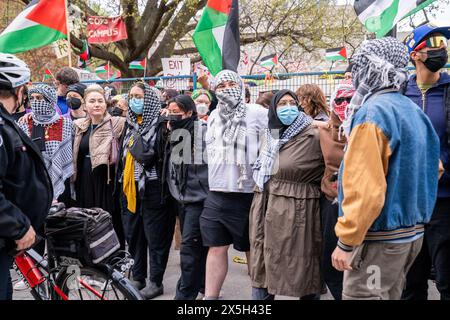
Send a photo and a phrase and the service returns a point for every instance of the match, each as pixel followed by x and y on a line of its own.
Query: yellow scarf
pixel 129 185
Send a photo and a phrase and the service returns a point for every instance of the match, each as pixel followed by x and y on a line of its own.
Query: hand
pixel 341 259
pixel 27 240
pixel 320 124
pixel 25 118
pixel 164 112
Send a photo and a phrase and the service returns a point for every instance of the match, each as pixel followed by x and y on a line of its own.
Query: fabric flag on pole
pixel 138 64
pixel 217 35
pixel 39 24
pixel 102 69
pixel 380 16
pixel 48 74
pixel 336 54
pixel 85 54
pixel 269 61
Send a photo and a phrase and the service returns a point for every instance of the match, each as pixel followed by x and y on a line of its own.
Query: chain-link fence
pixel 257 84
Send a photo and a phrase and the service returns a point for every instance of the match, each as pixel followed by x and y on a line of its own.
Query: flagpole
pixel 145 67
pixel 107 72
pixel 66 3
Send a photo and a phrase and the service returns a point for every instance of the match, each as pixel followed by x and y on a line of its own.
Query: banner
pixel 60 48
pixel 176 67
pixel 106 29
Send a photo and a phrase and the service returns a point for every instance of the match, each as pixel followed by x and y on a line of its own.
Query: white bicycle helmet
pixel 13 71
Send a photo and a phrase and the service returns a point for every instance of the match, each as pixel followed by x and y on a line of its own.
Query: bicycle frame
pixel 27 266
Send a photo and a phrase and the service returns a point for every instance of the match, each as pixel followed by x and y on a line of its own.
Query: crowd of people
pixel 317 195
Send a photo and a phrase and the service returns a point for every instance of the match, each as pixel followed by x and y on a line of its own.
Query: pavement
pixel 237 285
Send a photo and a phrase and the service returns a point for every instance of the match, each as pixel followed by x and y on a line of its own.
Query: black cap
pixel 77 87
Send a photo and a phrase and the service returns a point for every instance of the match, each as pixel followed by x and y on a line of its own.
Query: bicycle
pixel 63 278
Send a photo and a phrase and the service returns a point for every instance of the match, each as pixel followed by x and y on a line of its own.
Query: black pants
pixel 192 253
pixel 435 252
pixel 5 276
pixel 151 229
pixel 332 277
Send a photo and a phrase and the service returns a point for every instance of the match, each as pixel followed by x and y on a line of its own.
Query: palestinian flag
pixel 138 64
pixel 380 16
pixel 102 69
pixel 269 61
pixel 39 24
pixel 217 35
pixel 85 54
pixel 48 75
pixel 336 54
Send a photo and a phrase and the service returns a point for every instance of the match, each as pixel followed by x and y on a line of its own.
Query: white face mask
pixel 202 109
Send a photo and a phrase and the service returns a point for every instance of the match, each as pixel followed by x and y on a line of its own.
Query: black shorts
pixel 224 220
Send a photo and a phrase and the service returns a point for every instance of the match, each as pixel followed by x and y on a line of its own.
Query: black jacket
pixel 26 191
pixel 187 183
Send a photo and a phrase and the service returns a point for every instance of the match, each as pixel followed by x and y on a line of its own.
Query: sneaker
pixel 20 286
pixel 151 291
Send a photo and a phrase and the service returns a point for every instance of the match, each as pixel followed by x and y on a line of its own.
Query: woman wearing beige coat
pixel 93 174
pixel 285 233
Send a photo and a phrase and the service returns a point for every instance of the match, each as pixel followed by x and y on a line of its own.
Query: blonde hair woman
pixel 93 174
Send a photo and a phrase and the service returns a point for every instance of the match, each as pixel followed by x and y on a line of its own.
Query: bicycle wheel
pixel 87 283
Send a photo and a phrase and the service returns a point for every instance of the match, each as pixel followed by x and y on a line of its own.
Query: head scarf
pixel 274 121
pixel 343 90
pixel 44 111
pixel 150 113
pixel 378 64
pixel 199 92
pixel 263 167
pixel 232 112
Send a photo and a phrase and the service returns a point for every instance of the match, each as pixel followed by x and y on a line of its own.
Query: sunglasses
pixel 432 42
pixel 339 101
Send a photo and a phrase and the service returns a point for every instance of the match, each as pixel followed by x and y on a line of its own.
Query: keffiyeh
pixel 232 112
pixel 44 111
pixel 378 64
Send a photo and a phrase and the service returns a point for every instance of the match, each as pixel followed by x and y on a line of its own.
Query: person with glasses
pixel 429 88
pixel 332 143
pixel 285 233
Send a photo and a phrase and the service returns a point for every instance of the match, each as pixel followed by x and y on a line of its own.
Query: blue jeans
pixel 5 276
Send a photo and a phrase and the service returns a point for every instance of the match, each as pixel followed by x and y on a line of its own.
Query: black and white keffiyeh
pixel 232 112
pixel 44 111
pixel 57 151
pixel 147 130
pixel 378 64
pixel 263 167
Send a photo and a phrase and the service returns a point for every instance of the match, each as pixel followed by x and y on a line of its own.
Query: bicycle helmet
pixel 13 71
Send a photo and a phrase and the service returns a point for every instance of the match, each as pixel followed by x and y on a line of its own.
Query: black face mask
pixel 73 103
pixel 116 112
pixel 179 123
pixel 436 59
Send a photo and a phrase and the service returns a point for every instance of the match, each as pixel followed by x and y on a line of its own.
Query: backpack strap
pixel 447 109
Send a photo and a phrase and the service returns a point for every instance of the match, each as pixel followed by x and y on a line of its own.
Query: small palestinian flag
pixel 336 54
pixel 102 69
pixel 85 54
pixel 48 75
pixel 380 16
pixel 138 64
pixel 39 24
pixel 217 35
pixel 269 61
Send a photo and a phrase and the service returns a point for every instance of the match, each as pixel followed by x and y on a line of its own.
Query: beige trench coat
pixel 285 230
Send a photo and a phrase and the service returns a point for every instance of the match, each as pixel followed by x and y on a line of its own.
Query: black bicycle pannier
pixel 84 234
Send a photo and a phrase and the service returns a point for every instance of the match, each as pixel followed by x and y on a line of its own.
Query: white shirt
pixel 223 171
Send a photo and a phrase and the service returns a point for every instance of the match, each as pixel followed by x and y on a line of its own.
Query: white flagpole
pixel 68 32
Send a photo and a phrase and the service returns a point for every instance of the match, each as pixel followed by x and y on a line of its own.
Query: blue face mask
pixel 287 114
pixel 137 105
